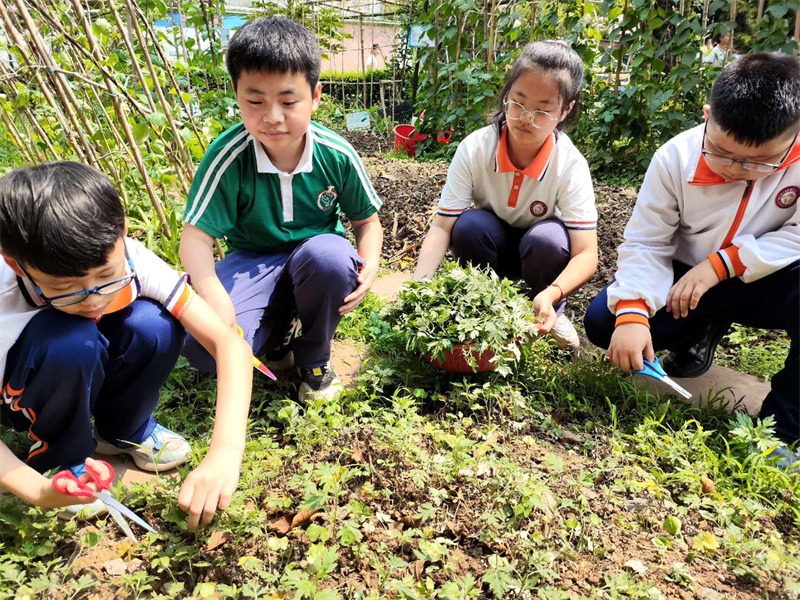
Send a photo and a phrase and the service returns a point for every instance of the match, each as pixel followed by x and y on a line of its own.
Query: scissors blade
pixel 123 524
pixel 123 510
pixel 682 391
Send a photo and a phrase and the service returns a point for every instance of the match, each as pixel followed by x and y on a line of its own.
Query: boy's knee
pixel 474 224
pixel 147 325
pixel 328 258
pixel 599 322
pixel 63 341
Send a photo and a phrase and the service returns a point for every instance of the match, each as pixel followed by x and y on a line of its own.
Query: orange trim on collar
pixel 538 164
pixel 703 175
pixel 123 299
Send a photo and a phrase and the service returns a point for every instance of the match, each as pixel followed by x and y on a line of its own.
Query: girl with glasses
pixel 519 196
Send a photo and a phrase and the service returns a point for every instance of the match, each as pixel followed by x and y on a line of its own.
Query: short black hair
pixel 556 59
pixel 757 97
pixel 61 218
pixel 274 45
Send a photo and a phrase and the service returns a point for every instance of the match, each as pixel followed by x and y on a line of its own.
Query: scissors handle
pixel 83 490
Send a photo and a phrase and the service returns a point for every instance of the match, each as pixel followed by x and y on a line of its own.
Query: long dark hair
pixel 555 59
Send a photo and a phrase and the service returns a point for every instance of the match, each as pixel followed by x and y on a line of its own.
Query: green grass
pixel 754 351
pixel 432 485
pixel 9 156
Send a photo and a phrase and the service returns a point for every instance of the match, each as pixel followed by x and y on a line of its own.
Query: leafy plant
pixel 469 307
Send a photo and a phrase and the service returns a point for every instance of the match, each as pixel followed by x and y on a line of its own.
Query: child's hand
pixel 48 497
pixel 365 279
pixel 686 293
pixel 629 343
pixel 210 486
pixel 545 312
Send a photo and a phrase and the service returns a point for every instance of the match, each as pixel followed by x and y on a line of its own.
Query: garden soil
pixel 410 191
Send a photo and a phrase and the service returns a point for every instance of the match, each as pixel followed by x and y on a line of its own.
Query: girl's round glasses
pixel 516 112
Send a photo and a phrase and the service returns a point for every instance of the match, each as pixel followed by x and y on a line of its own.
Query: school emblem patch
pixel 538 209
pixel 787 197
pixel 326 198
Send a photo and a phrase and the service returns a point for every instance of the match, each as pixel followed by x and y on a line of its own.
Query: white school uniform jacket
pixel 557 183
pixel 155 279
pixel 686 212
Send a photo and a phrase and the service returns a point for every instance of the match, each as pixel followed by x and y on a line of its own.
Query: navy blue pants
pixel 537 255
pixel 268 291
pixel 768 303
pixel 65 369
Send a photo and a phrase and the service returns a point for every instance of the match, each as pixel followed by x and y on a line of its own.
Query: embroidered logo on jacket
pixel 326 198
pixel 538 209
pixel 787 197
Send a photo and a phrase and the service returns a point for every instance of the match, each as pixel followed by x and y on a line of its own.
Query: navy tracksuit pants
pixel 65 370
pixel 768 303
pixel 537 254
pixel 268 291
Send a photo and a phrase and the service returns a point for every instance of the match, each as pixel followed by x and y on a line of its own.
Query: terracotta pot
pixel 455 361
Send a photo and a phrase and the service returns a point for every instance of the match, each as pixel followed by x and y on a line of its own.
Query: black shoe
pixel 698 358
pixel 321 382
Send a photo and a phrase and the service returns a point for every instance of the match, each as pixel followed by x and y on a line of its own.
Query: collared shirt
pixel 155 279
pixel 557 183
pixel 686 212
pixel 238 194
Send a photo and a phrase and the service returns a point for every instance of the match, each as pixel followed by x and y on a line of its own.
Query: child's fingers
pixel 186 495
pixel 210 506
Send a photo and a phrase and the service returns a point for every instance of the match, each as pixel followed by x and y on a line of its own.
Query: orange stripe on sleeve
pixel 719 266
pixel 632 318
pixel 733 253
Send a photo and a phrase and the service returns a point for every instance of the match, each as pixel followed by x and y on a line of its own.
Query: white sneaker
pixel 163 449
pixel 83 512
pixel 564 334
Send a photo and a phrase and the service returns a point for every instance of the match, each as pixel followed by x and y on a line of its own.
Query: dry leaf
pixel 708 485
pixel 249 506
pixel 557 415
pixel 571 437
pixel 302 517
pixel 217 538
pixel 418 569
pixel 281 525
pixel 357 455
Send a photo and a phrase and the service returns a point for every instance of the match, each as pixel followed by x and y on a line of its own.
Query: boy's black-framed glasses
pixel 516 112
pixel 748 165
pixel 105 289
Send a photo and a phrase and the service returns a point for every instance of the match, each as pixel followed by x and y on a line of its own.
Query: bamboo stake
pixel 119 109
pixel 182 33
pixel 40 132
pixel 86 54
pixel 16 138
pixel 70 104
pixel 157 47
pixel 492 28
pixel 129 47
pixel 12 90
pixel 796 31
pixel 178 141
pixel 760 10
pixel 618 70
pixel 24 50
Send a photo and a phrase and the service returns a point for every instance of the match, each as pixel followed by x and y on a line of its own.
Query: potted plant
pixel 464 319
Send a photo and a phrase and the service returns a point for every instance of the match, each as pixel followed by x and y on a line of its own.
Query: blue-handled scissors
pixel 654 370
pixel 101 474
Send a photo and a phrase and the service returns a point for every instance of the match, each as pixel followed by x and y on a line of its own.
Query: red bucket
pixel 406 138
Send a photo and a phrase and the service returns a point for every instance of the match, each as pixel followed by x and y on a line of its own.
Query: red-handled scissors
pixel 115 508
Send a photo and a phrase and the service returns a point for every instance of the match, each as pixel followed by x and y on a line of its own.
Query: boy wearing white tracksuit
pixel 715 238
